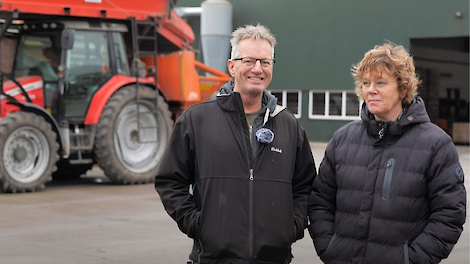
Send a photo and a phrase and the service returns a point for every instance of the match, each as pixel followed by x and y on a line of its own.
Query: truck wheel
pixel 28 152
pixel 129 146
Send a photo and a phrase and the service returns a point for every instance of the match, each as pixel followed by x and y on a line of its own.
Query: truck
pixel 93 82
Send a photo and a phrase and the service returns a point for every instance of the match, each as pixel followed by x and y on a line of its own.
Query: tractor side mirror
pixel 67 38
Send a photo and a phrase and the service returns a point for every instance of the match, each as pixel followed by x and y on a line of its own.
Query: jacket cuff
pixel 193 229
pixel 299 228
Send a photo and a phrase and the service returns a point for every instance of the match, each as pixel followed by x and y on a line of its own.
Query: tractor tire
pixel 28 152
pixel 129 146
pixel 67 171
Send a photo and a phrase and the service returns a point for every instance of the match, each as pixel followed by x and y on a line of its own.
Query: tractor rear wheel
pixel 132 135
pixel 28 152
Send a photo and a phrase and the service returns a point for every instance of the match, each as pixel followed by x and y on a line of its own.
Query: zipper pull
pixel 381 133
pixel 251 174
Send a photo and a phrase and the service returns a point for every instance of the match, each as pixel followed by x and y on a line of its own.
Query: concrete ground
pixel 90 221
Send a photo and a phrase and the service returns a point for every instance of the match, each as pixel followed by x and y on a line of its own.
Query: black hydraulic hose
pixel 9 97
pixel 23 91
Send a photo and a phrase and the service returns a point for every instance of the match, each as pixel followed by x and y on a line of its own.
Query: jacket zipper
pixel 200 252
pixel 250 225
pixel 381 133
pixel 406 253
pixel 388 178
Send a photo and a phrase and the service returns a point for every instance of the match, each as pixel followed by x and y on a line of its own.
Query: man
pixel 48 68
pixel 248 160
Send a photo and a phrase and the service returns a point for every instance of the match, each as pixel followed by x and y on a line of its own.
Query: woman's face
pixel 382 97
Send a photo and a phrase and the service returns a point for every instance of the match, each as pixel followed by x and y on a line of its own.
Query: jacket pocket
pixel 406 253
pixel 197 225
pixel 388 178
pixel 222 224
pixel 193 228
pixel 327 253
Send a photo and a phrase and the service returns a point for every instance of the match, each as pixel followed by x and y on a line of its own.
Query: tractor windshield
pixel 88 68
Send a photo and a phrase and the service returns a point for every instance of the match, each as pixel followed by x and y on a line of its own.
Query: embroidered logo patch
pixel 459 173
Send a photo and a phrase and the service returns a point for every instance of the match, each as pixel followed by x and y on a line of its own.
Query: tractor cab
pixel 72 68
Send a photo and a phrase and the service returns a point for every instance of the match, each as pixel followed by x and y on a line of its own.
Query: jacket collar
pixel 231 101
pixel 415 113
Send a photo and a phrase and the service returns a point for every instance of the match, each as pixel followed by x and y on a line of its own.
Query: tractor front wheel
pixel 28 152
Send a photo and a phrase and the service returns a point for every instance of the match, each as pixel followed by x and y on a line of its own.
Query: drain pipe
pixel 188 11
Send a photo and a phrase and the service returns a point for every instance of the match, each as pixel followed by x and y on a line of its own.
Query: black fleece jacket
pixel 247 199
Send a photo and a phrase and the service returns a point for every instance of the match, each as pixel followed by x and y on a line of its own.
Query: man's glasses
pixel 250 62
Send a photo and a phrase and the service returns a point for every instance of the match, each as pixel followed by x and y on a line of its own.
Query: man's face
pixel 251 80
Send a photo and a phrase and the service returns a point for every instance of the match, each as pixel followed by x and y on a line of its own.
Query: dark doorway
pixel 443 67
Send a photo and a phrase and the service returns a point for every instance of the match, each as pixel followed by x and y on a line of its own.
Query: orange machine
pixel 88 82
pixel 187 89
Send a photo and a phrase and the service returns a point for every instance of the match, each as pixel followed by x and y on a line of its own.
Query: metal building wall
pixel 319 40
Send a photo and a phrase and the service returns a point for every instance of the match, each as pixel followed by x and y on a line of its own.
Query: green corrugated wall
pixel 319 40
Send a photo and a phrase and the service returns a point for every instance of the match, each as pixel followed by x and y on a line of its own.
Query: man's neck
pixel 251 103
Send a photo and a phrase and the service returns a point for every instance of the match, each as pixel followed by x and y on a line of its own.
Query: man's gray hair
pixel 251 32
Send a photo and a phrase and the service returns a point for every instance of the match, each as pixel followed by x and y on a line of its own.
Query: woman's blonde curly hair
pixel 396 61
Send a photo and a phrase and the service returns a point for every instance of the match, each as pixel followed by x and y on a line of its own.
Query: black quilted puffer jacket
pixel 388 193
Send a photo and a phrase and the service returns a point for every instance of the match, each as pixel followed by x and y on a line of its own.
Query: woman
pixel 390 187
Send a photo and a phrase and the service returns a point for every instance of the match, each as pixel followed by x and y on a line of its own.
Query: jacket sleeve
pixel 174 177
pixel 447 199
pixel 304 175
pixel 322 202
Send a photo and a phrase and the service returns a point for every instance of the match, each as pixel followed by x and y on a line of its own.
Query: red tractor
pixel 92 82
